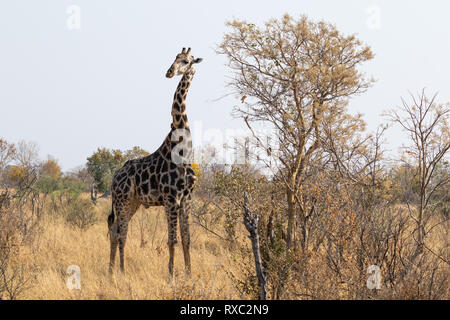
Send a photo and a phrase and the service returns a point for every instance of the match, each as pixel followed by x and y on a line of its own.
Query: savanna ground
pixel 220 270
pixel 60 245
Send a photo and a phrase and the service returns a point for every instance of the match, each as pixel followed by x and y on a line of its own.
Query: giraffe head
pixel 182 64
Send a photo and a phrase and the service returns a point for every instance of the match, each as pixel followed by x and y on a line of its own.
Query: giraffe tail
pixel 110 221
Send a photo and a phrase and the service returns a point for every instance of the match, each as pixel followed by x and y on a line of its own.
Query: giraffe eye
pixel 184 62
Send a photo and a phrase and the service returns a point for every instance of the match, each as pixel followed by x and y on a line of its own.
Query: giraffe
pixel 164 178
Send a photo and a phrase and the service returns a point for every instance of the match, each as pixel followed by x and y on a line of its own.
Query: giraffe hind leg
pixel 112 255
pixel 114 240
pixel 118 236
pixel 123 220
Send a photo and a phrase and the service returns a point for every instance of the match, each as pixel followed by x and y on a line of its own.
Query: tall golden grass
pixel 146 276
pixel 217 267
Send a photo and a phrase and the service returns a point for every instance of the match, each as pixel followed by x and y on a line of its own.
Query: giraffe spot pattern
pixel 156 181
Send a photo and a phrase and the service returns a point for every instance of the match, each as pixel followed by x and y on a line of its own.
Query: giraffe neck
pixel 179 116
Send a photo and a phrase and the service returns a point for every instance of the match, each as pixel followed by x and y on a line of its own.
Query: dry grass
pixel 146 276
pixel 58 245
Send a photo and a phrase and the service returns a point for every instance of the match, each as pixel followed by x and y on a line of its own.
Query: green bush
pixel 48 185
pixel 73 188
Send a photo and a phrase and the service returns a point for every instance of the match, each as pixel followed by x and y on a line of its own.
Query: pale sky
pixel 71 91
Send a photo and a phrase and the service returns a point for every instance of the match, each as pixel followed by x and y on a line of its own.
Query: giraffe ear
pixel 198 60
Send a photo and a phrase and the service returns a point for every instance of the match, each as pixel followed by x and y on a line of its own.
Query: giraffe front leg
pixel 171 213
pixel 185 236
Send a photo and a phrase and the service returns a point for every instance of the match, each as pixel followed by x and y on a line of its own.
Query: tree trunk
pixel 93 194
pixel 291 217
pixel 251 224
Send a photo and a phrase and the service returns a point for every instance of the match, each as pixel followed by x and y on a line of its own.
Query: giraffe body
pixel 164 178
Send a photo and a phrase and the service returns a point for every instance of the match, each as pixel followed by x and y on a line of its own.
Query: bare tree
pixel 426 123
pixel 20 216
pixel 7 153
pixel 27 154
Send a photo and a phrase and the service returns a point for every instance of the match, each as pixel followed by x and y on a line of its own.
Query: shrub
pixel 20 216
pixel 80 213
pixel 48 185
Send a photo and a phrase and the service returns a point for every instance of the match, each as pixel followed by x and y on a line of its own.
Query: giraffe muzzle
pixel 170 73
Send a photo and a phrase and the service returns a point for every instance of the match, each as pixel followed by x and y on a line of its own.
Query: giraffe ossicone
pixel 164 178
